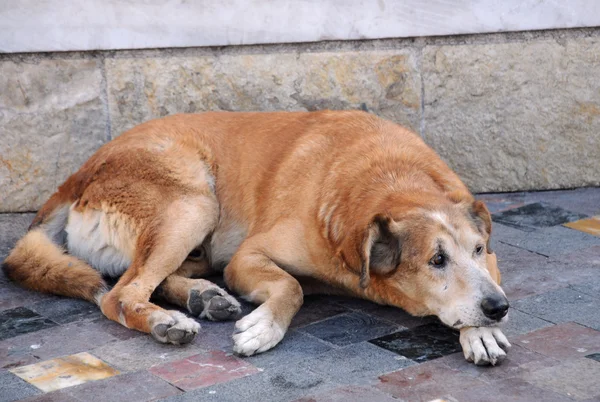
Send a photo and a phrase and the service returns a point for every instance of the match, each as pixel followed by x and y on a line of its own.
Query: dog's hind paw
pixel 484 345
pixel 257 332
pixel 213 303
pixel 173 327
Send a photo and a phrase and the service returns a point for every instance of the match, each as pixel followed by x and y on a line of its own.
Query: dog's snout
pixel 495 307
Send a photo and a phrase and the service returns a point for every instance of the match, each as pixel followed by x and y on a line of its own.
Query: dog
pixel 284 204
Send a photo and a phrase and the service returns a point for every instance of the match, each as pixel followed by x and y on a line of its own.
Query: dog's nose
pixel 495 307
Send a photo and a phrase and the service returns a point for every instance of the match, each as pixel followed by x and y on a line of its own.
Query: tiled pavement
pixel 548 247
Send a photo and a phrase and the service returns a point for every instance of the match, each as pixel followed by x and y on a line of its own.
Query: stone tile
pixel 507 116
pixel 582 200
pixel 13 296
pixel 294 347
pixel 63 372
pixel 426 382
pixel 284 383
pixel 63 340
pixel 132 387
pixel 142 353
pixel 423 343
pixel 392 314
pixel 355 364
pixel 20 321
pixel 204 370
pixel 499 202
pixel 12 228
pixel 520 323
pixel 554 241
pixel 594 356
pixel 53 119
pixel 563 341
pixel 591 287
pixel 316 308
pixel 562 305
pixel 386 82
pixel 519 361
pixel 14 388
pixel 349 393
pixel 577 378
pixel 534 216
pixel 215 335
pixel 511 389
pixel 349 328
pixel 588 225
pixel 64 310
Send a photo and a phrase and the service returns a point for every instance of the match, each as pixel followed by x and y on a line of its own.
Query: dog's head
pixel 430 260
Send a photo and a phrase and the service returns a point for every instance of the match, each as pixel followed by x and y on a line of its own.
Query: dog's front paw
pixel 257 332
pixel 173 327
pixel 483 345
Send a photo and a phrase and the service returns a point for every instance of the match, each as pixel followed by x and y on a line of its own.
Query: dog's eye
pixel 196 253
pixel 438 260
pixel 479 249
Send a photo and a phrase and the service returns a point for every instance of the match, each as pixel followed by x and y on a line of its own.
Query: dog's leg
pixel 200 297
pixel 161 250
pixel 258 279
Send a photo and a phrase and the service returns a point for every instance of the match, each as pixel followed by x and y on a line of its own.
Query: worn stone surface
pixel 52 119
pixel 516 115
pixel 385 82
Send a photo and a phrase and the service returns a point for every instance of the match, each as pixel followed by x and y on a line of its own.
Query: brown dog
pixel 288 203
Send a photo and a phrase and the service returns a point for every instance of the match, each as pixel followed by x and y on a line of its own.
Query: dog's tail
pixel 39 262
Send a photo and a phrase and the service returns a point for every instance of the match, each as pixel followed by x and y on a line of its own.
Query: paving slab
pixel 131 387
pixel 554 241
pixel 562 305
pixel 577 378
pixel 355 364
pixel 14 388
pixel 349 393
pixel 511 389
pixel 294 347
pixel 204 370
pixel 530 217
pixel 563 341
pixel 20 321
pixel 423 343
pixel 350 328
pixel 520 323
pixel 316 308
pixel 64 310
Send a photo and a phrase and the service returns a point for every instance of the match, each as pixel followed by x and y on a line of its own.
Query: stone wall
pixel 508 112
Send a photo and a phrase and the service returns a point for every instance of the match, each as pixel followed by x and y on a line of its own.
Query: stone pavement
pixel 548 246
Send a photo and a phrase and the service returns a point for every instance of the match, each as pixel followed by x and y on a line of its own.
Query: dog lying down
pixel 284 204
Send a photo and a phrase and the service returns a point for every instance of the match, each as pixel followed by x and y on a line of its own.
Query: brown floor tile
pixel 518 362
pixel 426 382
pixel 577 378
pixel 349 393
pixel 568 340
pixel 512 389
pixel 204 370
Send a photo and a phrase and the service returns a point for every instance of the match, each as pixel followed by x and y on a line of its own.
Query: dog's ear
pixel 483 220
pixel 371 248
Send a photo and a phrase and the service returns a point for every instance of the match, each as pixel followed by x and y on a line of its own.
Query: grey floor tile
pixel 13 388
pixel 537 215
pixel 423 343
pixel 554 241
pixel 350 328
pixel 20 321
pixel 142 353
pixel 65 310
pixel 582 200
pixel 356 364
pixel 563 305
pixel 316 308
pixel 520 323
pixel 294 347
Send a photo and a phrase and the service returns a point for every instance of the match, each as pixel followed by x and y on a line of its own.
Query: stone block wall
pixel 508 112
